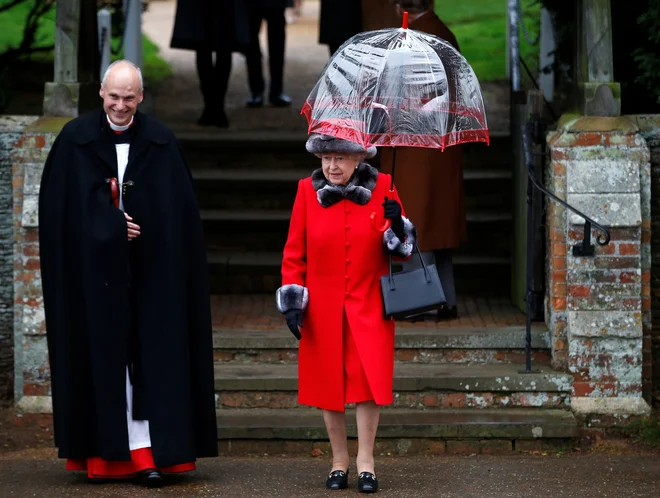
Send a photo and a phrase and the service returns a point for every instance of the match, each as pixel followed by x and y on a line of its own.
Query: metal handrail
pixel 585 248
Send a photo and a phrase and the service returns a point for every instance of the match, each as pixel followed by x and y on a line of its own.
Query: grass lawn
pixel 12 21
pixel 480 27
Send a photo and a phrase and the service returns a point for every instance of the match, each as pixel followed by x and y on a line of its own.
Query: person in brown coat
pixel 341 19
pixel 429 181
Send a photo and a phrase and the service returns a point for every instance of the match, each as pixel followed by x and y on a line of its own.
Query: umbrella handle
pixel 380 224
pixel 114 191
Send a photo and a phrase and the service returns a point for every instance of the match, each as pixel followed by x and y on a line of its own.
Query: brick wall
pixel 11 128
pixel 598 308
pixel 649 127
pixel 32 383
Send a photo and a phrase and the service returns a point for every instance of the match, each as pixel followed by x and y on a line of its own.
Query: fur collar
pixel 358 189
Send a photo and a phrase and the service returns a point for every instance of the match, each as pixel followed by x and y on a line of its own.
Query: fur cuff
pixel 395 246
pixel 291 297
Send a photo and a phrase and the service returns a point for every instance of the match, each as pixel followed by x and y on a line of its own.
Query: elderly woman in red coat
pixel 331 269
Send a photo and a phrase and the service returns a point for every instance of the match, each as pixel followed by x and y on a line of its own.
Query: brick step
pixel 269 189
pixel 288 176
pixel 491 239
pixel 260 272
pixel 455 345
pixel 281 215
pixel 282 151
pixel 440 425
pixel 420 386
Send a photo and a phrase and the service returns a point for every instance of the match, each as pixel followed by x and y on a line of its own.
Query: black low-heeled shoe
pixel 152 478
pixel 367 483
pixel 338 479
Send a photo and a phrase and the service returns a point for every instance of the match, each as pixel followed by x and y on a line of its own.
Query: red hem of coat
pixel 141 459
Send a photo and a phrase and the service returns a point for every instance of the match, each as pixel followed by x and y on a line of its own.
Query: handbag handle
pixel 421 259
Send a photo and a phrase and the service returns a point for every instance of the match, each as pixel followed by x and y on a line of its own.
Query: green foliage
pixel 647 431
pixel 13 21
pixel 481 29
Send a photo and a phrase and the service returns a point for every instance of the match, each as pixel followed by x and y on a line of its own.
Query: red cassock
pixel 339 258
pixel 141 459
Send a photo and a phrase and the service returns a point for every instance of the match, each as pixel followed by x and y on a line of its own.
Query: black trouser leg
pixel 445 266
pixel 222 73
pixel 206 76
pixel 253 56
pixel 276 44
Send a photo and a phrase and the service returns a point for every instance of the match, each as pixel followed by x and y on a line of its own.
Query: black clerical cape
pixel 111 303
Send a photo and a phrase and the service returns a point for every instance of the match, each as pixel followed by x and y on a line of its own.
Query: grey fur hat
pixel 322 144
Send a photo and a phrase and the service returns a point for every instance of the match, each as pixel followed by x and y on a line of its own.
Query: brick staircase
pixel 453 385
pixel 457 385
pixel 247 185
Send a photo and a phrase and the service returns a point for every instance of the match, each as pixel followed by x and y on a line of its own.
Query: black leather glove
pixel 392 210
pixel 294 321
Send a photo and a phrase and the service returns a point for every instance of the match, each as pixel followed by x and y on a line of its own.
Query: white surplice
pixel 138 430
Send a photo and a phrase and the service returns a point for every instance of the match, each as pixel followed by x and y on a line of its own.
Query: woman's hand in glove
pixel 294 321
pixel 392 210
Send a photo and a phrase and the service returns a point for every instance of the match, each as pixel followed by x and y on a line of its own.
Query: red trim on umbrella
pixel 403 104
pixel 354 131
pixel 346 132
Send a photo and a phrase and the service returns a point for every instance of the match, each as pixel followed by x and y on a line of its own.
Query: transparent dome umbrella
pixel 398 88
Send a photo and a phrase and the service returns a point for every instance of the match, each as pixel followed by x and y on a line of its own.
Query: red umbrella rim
pixel 452 108
pixel 346 132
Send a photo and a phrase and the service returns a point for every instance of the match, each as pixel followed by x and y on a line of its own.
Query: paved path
pixel 178 102
pixel 38 473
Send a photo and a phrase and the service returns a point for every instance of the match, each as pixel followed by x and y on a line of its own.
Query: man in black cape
pixel 125 293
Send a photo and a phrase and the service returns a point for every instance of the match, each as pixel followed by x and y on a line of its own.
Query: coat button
pixel 348 244
pixel 346 295
pixel 348 261
pixel 347 227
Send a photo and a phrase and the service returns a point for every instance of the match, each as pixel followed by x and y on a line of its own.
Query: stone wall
pixel 649 127
pixel 598 308
pixel 32 376
pixel 11 128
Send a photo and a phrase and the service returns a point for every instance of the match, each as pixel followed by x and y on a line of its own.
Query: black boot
pixel 280 100
pixel 447 313
pixel 213 117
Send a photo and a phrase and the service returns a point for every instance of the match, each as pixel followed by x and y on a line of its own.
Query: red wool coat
pixel 334 252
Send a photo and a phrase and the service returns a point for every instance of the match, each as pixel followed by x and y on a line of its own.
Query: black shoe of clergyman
pixel 281 100
pixel 152 478
pixel 338 479
pixel 367 483
pixel 255 101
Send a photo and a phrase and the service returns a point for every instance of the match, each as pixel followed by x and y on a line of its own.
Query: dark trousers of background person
pixel 276 22
pixel 214 78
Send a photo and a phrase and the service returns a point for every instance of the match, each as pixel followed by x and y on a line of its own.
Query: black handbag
pixel 410 292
